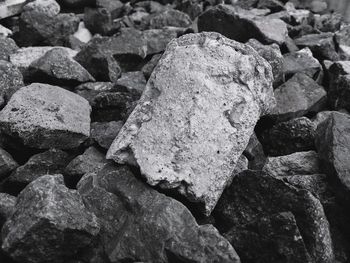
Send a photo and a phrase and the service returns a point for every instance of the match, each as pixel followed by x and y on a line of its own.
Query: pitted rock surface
pixel 196 116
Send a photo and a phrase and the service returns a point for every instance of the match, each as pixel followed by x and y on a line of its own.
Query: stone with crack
pixel 196 116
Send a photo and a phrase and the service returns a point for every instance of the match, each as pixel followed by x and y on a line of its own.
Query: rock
pixel 24 57
pixel 241 25
pixel 148 68
pixel 7 164
pixel 114 7
pixel 11 8
pixel 273 5
pixel 301 61
pixel 288 137
pixel 45 116
pixel 321 117
pixel 133 82
pixel 191 7
pixel 105 132
pixel 47 7
pixel 270 238
pixel 50 223
pixel 90 90
pixel 155 228
pixel 158 39
pixel 333 145
pixel 316 6
pixel 299 163
pixel 5 32
pixel 41 29
pixel 11 80
pixel 273 55
pixel 255 153
pixel 170 18
pixel 342 40
pixel 7 47
pixel 328 22
pixel 56 67
pixel 299 96
pixel 178 112
pixel 248 206
pixel 7 205
pixel 100 21
pixel 91 161
pixel 52 161
pixel 322 45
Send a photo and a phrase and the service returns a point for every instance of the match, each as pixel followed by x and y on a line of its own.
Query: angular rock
pixel 241 25
pixel 155 228
pixel 269 239
pixel 170 18
pixel 299 96
pixel 48 7
pixel 301 61
pixel 322 45
pixel 91 161
pixel 7 205
pixel 252 197
pixel 333 145
pixel 50 223
pixel 105 132
pixel 7 47
pixel 288 137
pixel 90 90
pixel 11 80
pixel 56 67
pixel 133 82
pixel 255 153
pixel 299 163
pixel 7 164
pixel 10 8
pixel 148 68
pixel 188 95
pixel 273 55
pixel 44 116
pixel 52 161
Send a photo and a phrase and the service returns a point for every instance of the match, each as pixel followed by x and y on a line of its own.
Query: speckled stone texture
pixel 196 116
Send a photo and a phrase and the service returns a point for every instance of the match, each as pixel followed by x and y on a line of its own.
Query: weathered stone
pixel 45 116
pixel 133 82
pixel 269 239
pixel 333 145
pixel 255 153
pixel 105 132
pixel 299 163
pixel 170 18
pixel 288 137
pixel 299 96
pixel 50 223
pixel 52 161
pixel 48 7
pixel 23 57
pixel 7 205
pixel 254 196
pixel 322 45
pixel 7 47
pixel 91 161
pixel 242 25
pixel 11 80
pixel 302 61
pixel 11 8
pixel 56 67
pixel 214 117
pixel 155 228
pixel 7 164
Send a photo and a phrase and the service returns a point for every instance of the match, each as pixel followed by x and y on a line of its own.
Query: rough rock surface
pixel 300 163
pixel 45 116
pixel 155 227
pixel 51 219
pixel 253 196
pixel 202 63
pixel 104 133
pixel 7 205
pixel 7 47
pixel 7 164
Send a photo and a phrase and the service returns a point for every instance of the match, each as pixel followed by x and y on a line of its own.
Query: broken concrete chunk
pixel 196 116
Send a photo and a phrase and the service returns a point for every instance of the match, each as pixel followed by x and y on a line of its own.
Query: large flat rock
pixel 196 116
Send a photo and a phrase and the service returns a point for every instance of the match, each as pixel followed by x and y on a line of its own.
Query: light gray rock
pixel 299 163
pixel 47 7
pixel 196 116
pixel 50 223
pixel 45 116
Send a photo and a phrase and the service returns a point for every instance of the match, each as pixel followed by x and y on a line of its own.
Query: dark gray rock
pixel 241 25
pixel 191 7
pixel 155 228
pixel 91 89
pixel 133 82
pixel 11 80
pixel 53 161
pixel 7 164
pixel 100 21
pixel 7 47
pixel 7 205
pixel 288 137
pixel 104 133
pixel 44 116
pixel 248 206
pixel 299 96
pixel 255 153
pixel 50 223
pixel 115 7
pixel 56 67
pixel 148 68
